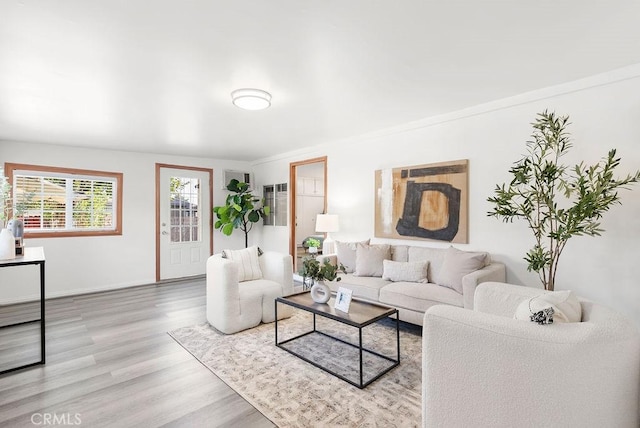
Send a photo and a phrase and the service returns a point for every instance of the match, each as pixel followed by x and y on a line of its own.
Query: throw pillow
pixel 248 263
pixel 564 304
pixel 346 252
pixel 405 271
pixel 224 255
pixel 458 263
pixel 369 259
pixel 400 253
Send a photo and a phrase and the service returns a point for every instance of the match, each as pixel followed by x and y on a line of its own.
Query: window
pixel 56 202
pixel 275 197
pixel 185 199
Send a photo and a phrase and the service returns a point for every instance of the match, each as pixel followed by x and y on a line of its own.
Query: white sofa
pixel 413 298
pixel 484 368
pixel 234 304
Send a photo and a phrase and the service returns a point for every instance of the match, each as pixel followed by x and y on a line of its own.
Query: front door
pixel 185 221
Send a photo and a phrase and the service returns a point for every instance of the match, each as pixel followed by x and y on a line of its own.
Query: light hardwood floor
pixel 111 362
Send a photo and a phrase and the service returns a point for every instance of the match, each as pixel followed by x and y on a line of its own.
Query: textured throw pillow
pixel 346 252
pixel 565 304
pixel 405 271
pixel 458 263
pixel 369 259
pixel 248 263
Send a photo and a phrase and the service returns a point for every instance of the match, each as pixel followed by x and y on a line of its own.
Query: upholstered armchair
pixel 241 291
pixel 481 367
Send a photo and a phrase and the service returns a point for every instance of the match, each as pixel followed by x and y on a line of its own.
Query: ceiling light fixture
pixel 251 99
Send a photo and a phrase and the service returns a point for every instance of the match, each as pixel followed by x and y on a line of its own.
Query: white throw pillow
pixel 565 304
pixel 248 263
pixel 369 259
pixel 458 263
pixel 346 252
pixel 405 271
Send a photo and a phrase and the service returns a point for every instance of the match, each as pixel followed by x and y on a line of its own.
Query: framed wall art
pixel 423 202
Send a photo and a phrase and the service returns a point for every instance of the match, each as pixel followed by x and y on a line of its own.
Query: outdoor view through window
pixel 184 199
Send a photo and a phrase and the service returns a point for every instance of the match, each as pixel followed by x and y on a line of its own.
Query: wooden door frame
pixel 159 166
pixel 293 185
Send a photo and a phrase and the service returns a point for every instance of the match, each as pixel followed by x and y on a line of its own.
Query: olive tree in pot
pixel 556 201
pixel 241 210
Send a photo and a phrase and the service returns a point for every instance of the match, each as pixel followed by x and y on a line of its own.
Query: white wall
pixel 84 264
pixel 604 111
pixel 605 114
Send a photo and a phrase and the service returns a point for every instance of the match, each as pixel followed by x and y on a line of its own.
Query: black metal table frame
pixel 361 384
pixel 19 262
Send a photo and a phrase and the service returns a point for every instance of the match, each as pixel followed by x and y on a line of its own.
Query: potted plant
pixel 313 245
pixel 5 198
pixel 317 273
pixel 556 201
pixel 241 210
pixel 7 240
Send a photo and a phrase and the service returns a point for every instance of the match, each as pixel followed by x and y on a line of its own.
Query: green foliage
pixel 313 269
pixel 176 184
pixel 241 210
pixel 5 197
pixel 313 242
pixel 91 203
pixel 556 201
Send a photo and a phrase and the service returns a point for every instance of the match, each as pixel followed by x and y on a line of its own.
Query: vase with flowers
pixel 317 273
pixel 7 240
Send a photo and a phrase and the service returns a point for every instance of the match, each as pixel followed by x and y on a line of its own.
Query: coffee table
pixel 360 315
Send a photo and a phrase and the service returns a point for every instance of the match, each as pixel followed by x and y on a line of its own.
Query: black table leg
pixel 42 323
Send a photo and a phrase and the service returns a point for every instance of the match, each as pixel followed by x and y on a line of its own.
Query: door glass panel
pixel 184 204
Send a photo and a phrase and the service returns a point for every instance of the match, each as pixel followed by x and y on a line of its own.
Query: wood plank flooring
pixel 111 363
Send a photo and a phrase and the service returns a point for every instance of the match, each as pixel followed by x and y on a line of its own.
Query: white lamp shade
pixel 251 99
pixel 327 223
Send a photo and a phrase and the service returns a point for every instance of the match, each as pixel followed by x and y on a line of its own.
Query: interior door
pixel 184 222
pixel 307 209
pixel 308 180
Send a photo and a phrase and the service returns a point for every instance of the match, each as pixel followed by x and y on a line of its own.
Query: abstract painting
pixel 423 202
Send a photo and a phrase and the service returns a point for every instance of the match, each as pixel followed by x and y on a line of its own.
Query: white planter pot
pixel 7 245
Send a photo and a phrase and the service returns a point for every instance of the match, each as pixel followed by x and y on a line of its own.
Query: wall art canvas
pixel 423 202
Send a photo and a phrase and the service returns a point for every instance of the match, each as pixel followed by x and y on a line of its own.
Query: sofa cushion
pixel 364 287
pixel 405 271
pixel 346 252
pixel 369 259
pixel 418 297
pixel 248 263
pixel 434 256
pixel 400 253
pixel 456 264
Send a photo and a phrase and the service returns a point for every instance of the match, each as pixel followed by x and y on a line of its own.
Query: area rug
pixel 293 393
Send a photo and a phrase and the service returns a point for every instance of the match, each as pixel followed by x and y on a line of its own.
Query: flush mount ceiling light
pixel 251 99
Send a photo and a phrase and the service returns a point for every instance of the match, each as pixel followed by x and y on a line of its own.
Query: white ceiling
pixel 156 75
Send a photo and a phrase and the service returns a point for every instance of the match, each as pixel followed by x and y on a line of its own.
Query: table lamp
pixel 327 223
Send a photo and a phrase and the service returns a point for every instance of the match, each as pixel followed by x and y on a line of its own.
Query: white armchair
pixel 233 306
pixel 481 367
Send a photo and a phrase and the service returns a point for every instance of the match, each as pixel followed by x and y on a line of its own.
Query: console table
pixel 32 256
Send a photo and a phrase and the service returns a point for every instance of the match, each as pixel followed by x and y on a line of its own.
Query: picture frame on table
pixel 343 299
